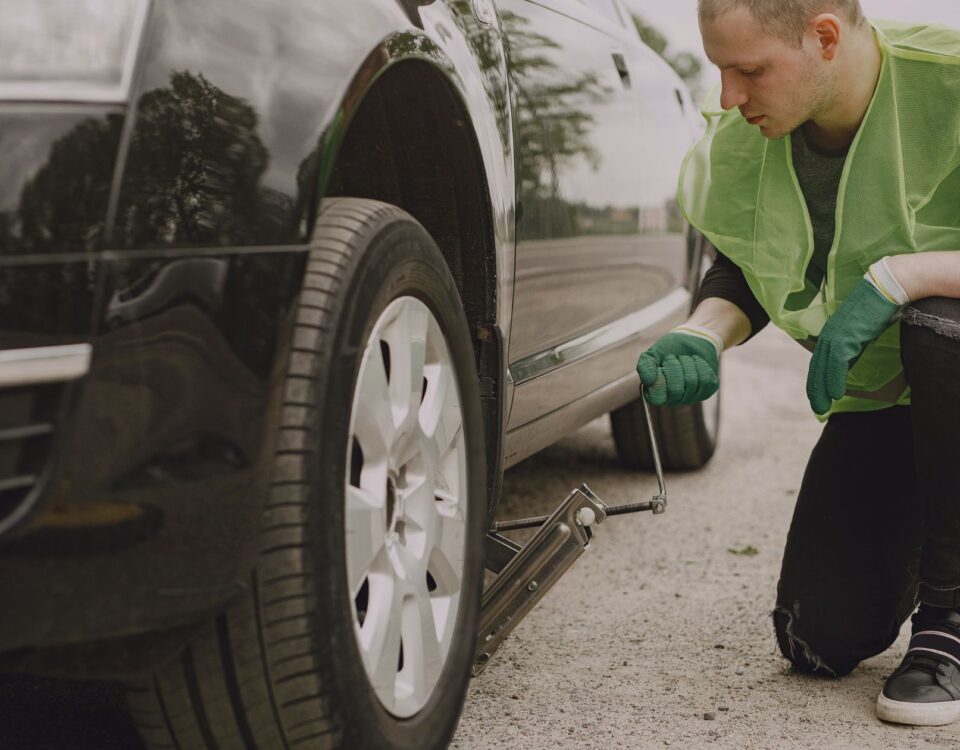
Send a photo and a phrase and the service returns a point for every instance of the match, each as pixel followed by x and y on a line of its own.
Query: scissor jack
pixel 525 574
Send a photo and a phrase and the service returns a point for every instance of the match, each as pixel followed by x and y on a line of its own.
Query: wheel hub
pixel 395 510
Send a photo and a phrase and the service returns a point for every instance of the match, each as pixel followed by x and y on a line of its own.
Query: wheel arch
pixel 403 134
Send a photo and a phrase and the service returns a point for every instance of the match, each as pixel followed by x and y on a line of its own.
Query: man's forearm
pixel 933 274
pixel 724 318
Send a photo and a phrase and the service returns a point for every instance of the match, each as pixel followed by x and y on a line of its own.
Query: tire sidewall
pixel 399 259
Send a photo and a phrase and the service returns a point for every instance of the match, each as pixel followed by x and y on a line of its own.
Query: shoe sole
pixel 918 714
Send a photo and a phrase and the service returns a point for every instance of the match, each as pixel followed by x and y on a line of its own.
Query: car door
pixel 589 226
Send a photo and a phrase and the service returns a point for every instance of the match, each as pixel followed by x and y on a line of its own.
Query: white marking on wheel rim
pixel 406 496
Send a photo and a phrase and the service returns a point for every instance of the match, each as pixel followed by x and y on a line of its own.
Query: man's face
pixel 775 85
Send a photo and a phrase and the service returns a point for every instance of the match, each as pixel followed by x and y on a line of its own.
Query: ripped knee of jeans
pixel 795 649
pixel 920 314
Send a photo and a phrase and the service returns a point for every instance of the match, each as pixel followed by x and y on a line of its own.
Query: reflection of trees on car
pixel 486 45
pixel 196 162
pixel 192 177
pixel 553 122
pixel 63 208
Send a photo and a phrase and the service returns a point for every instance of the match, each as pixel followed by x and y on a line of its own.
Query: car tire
pixel 285 667
pixel 686 435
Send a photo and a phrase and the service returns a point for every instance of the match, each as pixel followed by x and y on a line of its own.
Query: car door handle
pixel 621 64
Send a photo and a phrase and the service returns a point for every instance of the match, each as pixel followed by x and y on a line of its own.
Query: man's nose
pixel 731 93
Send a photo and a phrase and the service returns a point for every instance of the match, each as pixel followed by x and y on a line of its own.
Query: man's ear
pixel 827 31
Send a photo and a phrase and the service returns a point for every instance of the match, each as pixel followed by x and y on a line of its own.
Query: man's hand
pixel 865 314
pixel 682 367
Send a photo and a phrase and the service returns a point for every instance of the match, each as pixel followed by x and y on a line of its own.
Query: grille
pixel 27 425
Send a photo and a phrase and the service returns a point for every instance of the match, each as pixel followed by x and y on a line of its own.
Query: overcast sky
pixel 677 19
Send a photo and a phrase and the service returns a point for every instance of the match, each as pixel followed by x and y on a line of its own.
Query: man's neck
pixel 861 64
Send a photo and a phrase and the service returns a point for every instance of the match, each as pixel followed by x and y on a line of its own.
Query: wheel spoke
pixel 381 653
pixel 446 558
pixel 365 527
pixel 450 487
pixel 441 396
pixel 374 426
pixel 421 510
pixel 421 646
pixel 407 566
pixel 407 338
pixel 441 419
pixel 447 575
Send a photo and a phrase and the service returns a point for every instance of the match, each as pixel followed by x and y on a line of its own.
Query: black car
pixel 285 287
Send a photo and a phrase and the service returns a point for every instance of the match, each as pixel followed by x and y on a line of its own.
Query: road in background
pixel 661 634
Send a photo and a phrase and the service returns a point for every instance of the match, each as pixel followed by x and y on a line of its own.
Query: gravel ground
pixel 660 635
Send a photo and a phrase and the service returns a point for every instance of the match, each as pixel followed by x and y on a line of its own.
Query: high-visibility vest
pixel 899 193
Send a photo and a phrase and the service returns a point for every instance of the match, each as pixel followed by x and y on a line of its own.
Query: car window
pixel 607 8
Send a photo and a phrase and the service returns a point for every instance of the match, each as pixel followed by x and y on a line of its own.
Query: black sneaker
pixel 925 689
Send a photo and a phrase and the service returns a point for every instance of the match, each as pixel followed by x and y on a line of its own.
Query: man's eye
pixel 752 72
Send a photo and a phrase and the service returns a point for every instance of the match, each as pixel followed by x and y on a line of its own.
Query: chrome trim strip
pixel 627 327
pixel 45 364
pixel 68 91
pixel 527 439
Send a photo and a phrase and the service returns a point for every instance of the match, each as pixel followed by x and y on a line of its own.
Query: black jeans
pixel 877 520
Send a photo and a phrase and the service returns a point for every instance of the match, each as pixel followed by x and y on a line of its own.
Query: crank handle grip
pixel 659 501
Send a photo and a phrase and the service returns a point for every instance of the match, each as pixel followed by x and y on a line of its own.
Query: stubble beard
pixel 820 98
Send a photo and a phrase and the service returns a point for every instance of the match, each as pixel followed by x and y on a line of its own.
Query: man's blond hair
pixel 788 19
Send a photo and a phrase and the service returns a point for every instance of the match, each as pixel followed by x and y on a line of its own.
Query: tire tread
pixel 251 679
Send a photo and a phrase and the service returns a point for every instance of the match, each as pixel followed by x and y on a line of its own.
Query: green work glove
pixel 865 314
pixel 682 367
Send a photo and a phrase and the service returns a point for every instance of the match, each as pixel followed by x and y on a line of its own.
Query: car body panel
pixel 164 456
pixel 582 243
pixel 602 247
pixel 180 263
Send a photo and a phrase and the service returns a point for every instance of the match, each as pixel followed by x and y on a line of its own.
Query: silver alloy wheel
pixel 406 498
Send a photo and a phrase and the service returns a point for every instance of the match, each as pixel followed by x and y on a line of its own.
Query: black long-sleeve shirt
pixel 726 281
